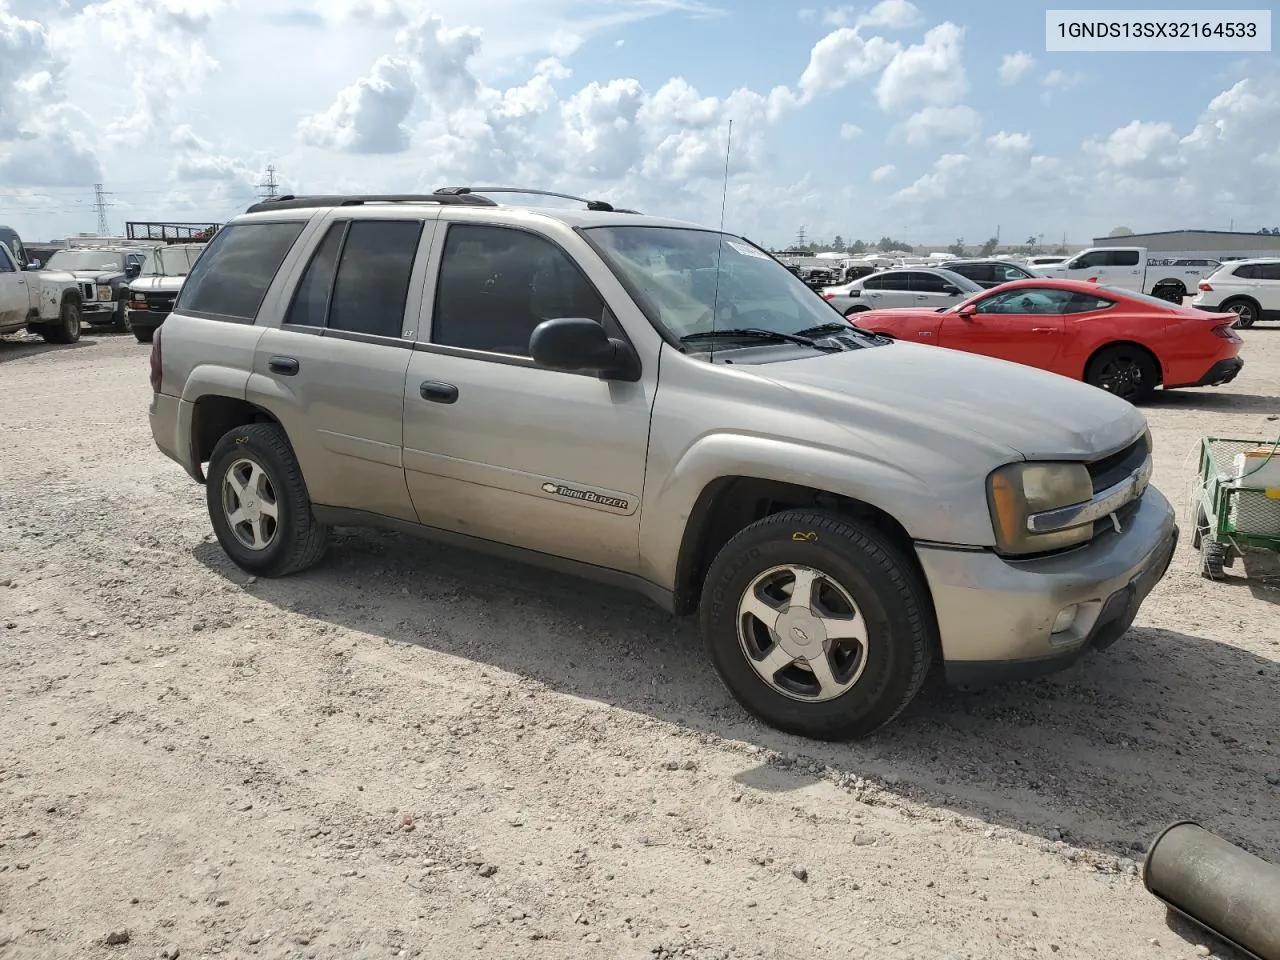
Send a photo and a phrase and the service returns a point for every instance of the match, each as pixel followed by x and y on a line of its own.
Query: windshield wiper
pixel 826 328
pixel 758 333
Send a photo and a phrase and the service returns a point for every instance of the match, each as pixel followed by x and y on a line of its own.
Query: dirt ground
pixel 418 752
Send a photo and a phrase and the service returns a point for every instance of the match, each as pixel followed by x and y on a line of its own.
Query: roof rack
pixel 291 202
pixel 600 205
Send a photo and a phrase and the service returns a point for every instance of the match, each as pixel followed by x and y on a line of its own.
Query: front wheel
pixel 817 624
pixel 123 323
pixel 144 334
pixel 258 503
pixel 1126 370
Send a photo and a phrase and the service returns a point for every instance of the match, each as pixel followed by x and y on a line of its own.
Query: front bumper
pixel 1224 371
pixel 996 617
pixel 98 312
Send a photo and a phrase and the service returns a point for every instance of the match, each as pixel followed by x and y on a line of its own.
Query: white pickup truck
pixel 47 302
pixel 1131 269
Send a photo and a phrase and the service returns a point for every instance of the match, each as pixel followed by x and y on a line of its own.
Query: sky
pixel 924 121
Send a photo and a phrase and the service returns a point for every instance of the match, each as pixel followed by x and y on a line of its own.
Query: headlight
pixel 1019 490
pixel 104 292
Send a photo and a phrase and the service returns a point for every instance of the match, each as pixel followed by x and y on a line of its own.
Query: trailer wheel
pixel 1212 557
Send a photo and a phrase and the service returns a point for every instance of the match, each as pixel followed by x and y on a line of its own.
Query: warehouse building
pixel 1213 244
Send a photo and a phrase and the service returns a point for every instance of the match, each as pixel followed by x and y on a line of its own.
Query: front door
pixel 504 450
pixel 1026 325
pixel 335 368
pixel 14 299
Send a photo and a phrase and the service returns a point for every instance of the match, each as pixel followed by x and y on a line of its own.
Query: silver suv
pixel 650 403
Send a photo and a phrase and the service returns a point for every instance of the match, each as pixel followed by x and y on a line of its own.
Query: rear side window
pixel 373 260
pixel 1268 271
pixel 873 283
pixel 230 281
pixel 1122 258
pixel 894 281
pixel 1248 272
pixel 6 265
pixel 925 282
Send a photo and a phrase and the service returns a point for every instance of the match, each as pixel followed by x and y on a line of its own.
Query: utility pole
pixel 269 188
pixel 100 204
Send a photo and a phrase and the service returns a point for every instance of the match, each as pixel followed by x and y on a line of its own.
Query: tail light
pixel 1227 331
pixel 1205 287
pixel 157 368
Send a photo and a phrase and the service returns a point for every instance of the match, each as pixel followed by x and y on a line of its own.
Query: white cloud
pixel 941 123
pixel 931 71
pixel 849 131
pixel 1012 142
pixel 1062 80
pixel 880 174
pixel 892 14
pixel 1139 148
pixel 369 115
pixel 1015 66
pixel 842 57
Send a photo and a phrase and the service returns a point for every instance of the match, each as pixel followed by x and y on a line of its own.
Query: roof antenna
pixel 724 199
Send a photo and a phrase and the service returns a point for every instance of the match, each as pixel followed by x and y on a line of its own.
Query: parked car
pixel 1129 269
pixel 1124 342
pixel 152 294
pixel 1248 288
pixel 989 273
pixel 925 287
pixel 104 274
pixel 663 407
pixel 44 302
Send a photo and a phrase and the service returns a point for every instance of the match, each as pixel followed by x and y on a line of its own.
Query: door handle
pixel 285 366
pixel 438 392
pixel 1042 329
pixel 21 280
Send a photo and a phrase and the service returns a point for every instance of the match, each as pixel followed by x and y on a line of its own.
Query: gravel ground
pixel 412 751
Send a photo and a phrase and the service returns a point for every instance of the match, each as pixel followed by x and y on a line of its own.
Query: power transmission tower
pixel 100 204
pixel 800 238
pixel 271 185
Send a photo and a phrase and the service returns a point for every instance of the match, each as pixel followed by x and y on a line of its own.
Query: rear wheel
pixel 1246 312
pixel 258 502
pixel 1212 557
pixel 817 624
pixel 1126 370
pixel 1173 292
pixel 68 327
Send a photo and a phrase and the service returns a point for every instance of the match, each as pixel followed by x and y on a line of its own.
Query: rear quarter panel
pixel 1088 333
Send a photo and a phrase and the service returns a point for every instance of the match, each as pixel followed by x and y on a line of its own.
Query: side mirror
pixel 33 265
pixel 133 269
pixel 967 311
pixel 579 343
pixel 951 290
pixel 1076 265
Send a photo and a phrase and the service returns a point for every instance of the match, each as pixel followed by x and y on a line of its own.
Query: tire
pixel 1125 370
pixel 69 325
pixel 869 686
pixel 1246 311
pixel 1212 555
pixel 1202 525
pixel 1173 292
pixel 123 324
pixel 261 454
pixel 144 334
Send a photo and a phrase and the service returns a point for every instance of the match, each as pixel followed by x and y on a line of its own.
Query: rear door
pixel 1026 325
pixel 979 273
pixel 336 365
pixel 888 289
pixel 14 299
pixel 1267 286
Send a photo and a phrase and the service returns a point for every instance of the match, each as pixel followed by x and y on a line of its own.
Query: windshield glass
pixel 673 273
pixel 169 262
pixel 94 260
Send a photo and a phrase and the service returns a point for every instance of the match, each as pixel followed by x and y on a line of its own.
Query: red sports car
pixel 1124 342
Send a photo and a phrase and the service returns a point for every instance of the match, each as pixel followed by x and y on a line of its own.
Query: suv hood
pixel 97 276
pixel 1025 411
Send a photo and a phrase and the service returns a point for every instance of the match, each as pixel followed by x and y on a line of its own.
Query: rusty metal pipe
pixel 1217 886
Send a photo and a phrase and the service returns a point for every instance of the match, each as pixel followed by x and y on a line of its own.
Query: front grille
pixel 1109 471
pixel 88 292
pixel 161 302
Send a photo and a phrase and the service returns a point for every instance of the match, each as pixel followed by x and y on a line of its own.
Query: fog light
pixel 1066 617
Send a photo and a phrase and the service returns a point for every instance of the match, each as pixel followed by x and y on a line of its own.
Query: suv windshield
pixel 95 260
pixel 673 274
